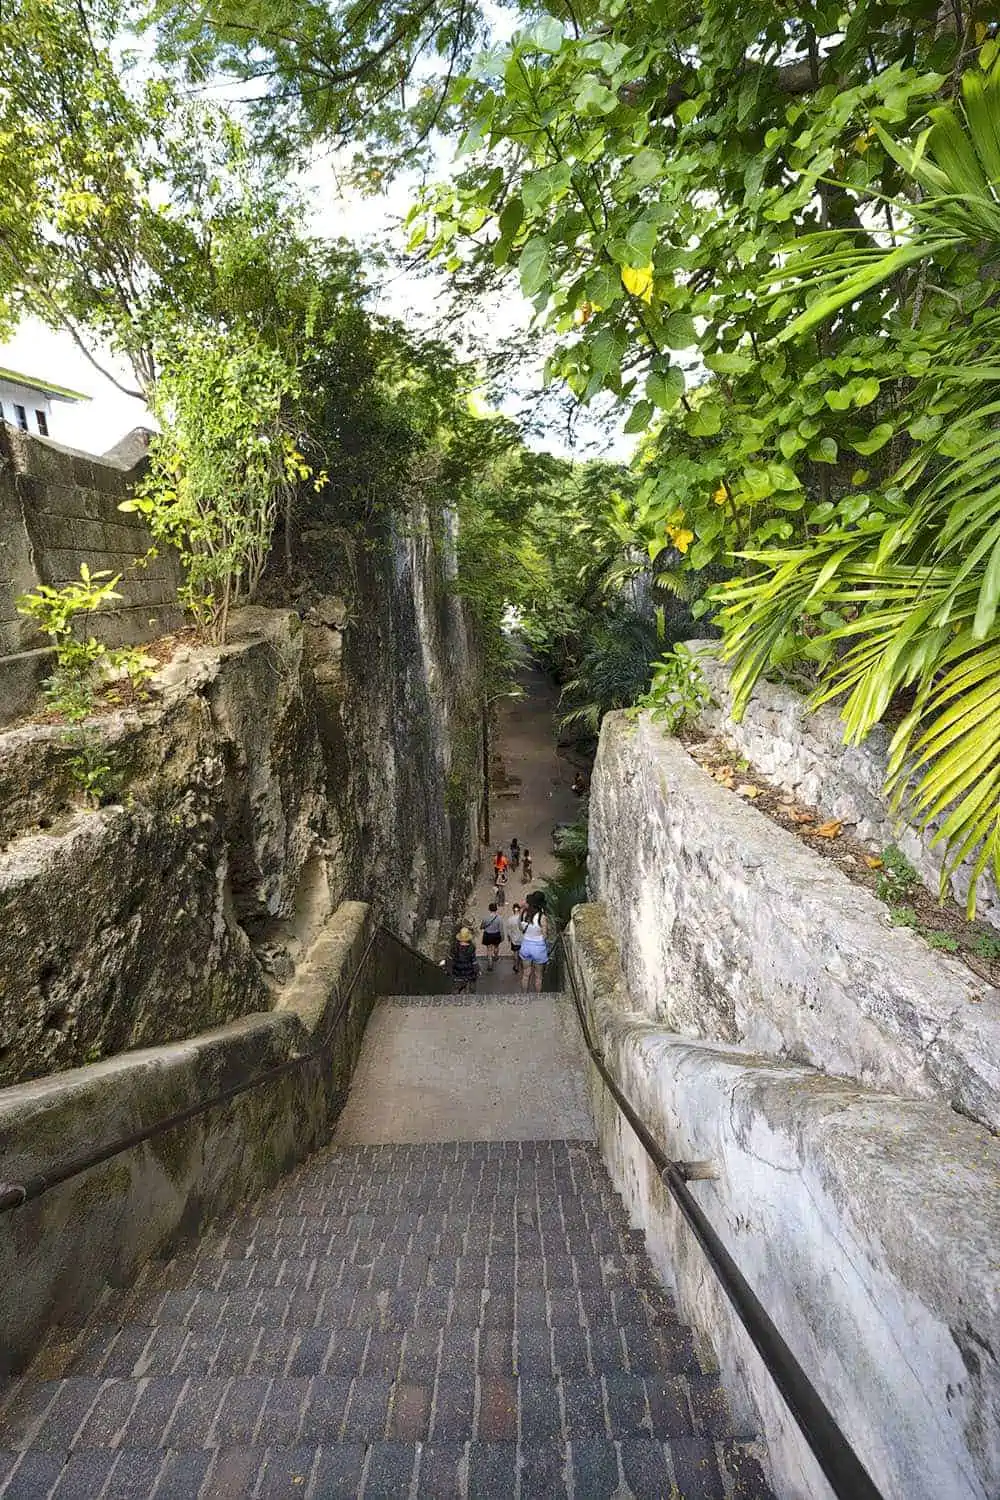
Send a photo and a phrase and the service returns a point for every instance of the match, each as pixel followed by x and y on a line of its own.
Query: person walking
pixel 515 932
pixel 492 927
pixel 525 866
pixel 499 865
pixel 464 965
pixel 500 894
pixel 534 949
pixel 515 854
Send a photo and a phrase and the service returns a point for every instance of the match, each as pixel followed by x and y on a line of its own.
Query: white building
pixel 32 405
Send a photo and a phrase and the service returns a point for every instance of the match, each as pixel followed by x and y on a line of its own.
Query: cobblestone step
pixel 472 1320
pixel 209 1411
pixel 138 1350
pixel 592 1469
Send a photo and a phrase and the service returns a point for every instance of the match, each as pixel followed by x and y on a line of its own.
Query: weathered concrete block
pixel 866 1224
pixel 732 929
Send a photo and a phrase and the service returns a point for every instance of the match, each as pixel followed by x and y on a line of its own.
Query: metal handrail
pixel 843 1470
pixel 14 1194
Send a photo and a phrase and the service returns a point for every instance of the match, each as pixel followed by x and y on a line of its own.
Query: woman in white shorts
pixel 534 949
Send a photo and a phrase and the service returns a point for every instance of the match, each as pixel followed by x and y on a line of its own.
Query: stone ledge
pixel 734 930
pixel 867 1225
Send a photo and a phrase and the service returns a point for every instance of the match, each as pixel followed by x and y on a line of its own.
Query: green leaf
pixel 533 265
pixel 729 363
pixel 606 351
pixel 820 514
pixel 782 477
pixel 989 595
pixel 640 418
pixel 679 331
pixel 603 288
pixel 665 388
pixel 791 443
pixel 645 167
pixel 854 507
pixel 546 35
pixel 511 217
pixel 705 420
pixel 824 451
pixel 641 241
pixel 877 438
pixel 593 97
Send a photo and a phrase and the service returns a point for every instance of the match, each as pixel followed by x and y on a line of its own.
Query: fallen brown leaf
pixel 873 862
pixel 747 789
pixel 797 815
pixel 830 830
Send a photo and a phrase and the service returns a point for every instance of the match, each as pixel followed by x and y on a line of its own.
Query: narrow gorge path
pixel 446 1303
pixel 528 799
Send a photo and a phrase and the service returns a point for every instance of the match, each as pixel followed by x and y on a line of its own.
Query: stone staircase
pixel 473 1319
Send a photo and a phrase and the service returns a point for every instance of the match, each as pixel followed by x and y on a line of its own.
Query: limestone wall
pixel 259 788
pixel 865 1222
pixel 805 753
pixel 733 930
pixel 395 662
pixel 59 508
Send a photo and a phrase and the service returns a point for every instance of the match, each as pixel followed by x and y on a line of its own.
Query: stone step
pixel 138 1350
pixel 385 1272
pixel 215 1411
pixel 589 1469
pixel 276 1307
pixel 593 1218
pixel 461 1320
pixel 449 1199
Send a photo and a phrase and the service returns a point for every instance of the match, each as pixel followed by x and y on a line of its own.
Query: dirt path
pixel 538 795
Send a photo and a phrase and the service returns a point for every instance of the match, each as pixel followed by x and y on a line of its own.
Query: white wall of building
pixel 23 406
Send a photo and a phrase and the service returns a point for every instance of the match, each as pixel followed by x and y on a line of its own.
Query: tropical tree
pixel 910 590
pixel 681 179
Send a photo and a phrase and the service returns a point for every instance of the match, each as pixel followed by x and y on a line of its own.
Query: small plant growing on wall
pixel 83 666
pixel 678 691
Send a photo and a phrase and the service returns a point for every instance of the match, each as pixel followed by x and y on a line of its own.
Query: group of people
pixel 504 864
pixel 526 930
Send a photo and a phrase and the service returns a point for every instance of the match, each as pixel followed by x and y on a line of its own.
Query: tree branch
pixel 67 324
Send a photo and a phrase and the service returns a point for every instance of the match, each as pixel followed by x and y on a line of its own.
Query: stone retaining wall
pixel 58 1253
pixel 59 508
pixel 154 917
pixel 805 754
pixel 733 930
pixel 867 1224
